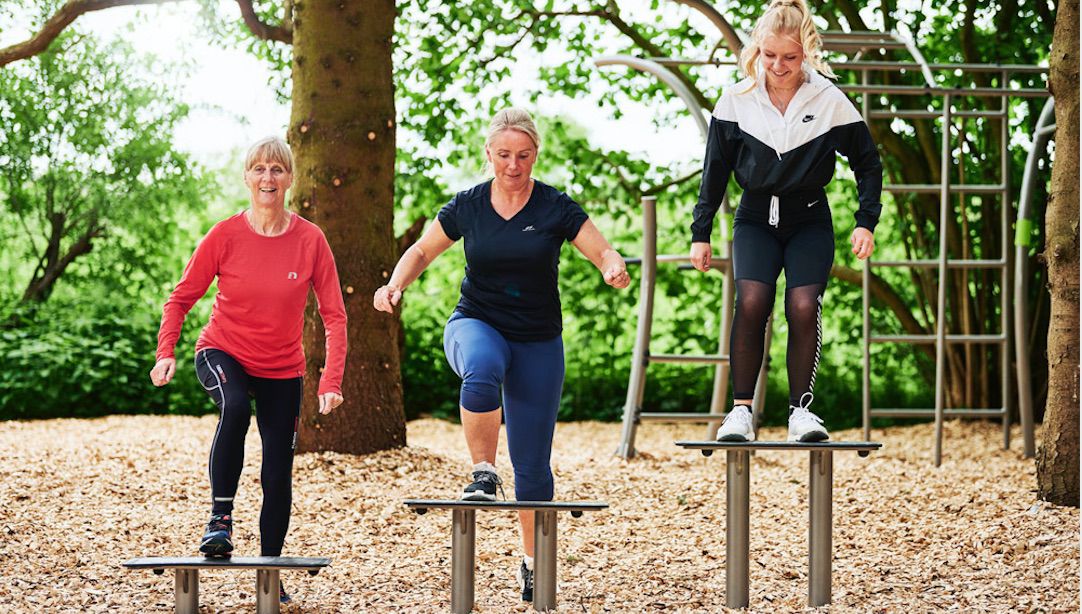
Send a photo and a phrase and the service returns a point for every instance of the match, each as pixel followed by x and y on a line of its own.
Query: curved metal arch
pixel 731 35
pixel 1042 133
pixel 666 76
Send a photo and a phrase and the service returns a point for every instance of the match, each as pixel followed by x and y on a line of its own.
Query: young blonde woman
pixel 504 337
pixel 778 131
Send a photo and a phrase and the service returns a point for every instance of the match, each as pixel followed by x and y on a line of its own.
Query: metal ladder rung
pixel 680 417
pixel 952 263
pixel 715 261
pixel 929 339
pixel 705 359
pixel 906 114
pixel 935 188
pixel 923 413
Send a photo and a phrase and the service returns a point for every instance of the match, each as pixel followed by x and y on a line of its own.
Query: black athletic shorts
pixel 805 251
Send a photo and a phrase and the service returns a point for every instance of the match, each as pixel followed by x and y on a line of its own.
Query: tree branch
pixel 55 25
pixel 282 33
pixel 657 189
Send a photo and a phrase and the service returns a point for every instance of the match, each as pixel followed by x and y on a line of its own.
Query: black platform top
pixel 557 506
pixel 236 562
pixel 857 446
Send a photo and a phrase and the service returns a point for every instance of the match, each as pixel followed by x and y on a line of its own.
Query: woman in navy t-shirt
pixel 505 331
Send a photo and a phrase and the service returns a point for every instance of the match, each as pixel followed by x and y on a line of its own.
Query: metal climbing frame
pixel 857 43
pixel 943 263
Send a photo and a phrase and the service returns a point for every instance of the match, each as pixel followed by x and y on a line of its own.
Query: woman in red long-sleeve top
pixel 265 258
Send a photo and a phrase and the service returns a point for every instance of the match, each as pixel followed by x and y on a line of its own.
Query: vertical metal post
pixel 866 356
pixel 941 302
pixel 640 355
pixel 266 591
pixel 1021 279
pixel 865 278
pixel 737 504
pixel 1005 277
pixel 544 587
pixel 186 590
pixel 820 512
pixel 721 371
pixel 462 551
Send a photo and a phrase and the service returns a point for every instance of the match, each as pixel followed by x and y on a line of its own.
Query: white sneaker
pixel 737 425
pixel 805 426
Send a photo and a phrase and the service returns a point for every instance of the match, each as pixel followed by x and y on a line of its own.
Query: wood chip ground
pixel 79 497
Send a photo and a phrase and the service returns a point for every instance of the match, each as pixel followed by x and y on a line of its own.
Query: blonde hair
pixel 511 118
pixel 269 149
pixel 788 17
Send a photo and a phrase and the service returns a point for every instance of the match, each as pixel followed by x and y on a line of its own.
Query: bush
pixel 83 358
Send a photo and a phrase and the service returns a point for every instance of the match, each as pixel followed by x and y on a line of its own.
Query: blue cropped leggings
pixel 530 375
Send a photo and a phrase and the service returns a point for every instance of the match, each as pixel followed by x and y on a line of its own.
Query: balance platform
pixel 737 509
pixel 186 581
pixel 463 539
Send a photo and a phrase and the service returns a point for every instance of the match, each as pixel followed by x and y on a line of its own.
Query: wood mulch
pixel 79 497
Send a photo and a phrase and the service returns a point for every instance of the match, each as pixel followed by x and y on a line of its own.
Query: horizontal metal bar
pixel 871 65
pixel 842 45
pixel 918 114
pixel 715 261
pixel 969 68
pixel 935 188
pixel 921 413
pixel 929 339
pixel 711 359
pixel 952 263
pixel 680 417
pixel 922 90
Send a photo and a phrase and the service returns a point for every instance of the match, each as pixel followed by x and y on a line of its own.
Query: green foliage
pixel 92 182
pixel 89 355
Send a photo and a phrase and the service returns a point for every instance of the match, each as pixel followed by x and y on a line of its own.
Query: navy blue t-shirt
pixel 512 266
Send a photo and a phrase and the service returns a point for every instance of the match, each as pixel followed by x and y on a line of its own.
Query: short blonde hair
pixel 791 18
pixel 511 118
pixel 269 149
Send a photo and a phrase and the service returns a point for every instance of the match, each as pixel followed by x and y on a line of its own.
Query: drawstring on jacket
pixel 775 203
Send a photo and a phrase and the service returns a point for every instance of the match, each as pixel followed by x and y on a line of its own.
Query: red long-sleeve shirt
pixel 258 314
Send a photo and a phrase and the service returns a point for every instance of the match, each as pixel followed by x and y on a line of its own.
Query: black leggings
pixel 278 406
pixel 760 252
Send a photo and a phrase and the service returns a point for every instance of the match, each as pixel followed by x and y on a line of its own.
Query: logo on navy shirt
pixel 529 228
pixel 807 118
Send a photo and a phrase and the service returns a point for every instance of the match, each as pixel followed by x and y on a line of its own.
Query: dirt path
pixel 79 497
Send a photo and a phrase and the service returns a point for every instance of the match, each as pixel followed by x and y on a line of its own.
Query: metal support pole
pixel 941 302
pixel 1005 272
pixel 266 591
pixel 639 356
pixel 544 587
pixel 1021 279
pixel 186 589
pixel 462 549
pixel 737 510
pixel 820 544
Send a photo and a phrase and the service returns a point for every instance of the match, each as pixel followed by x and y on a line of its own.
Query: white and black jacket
pixel 784 163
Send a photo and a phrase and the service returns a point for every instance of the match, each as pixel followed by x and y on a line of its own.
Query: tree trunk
pixel 1057 457
pixel 342 131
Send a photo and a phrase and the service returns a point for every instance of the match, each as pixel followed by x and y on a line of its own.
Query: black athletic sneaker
pixel 218 540
pixel 525 581
pixel 283 596
pixel 484 487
